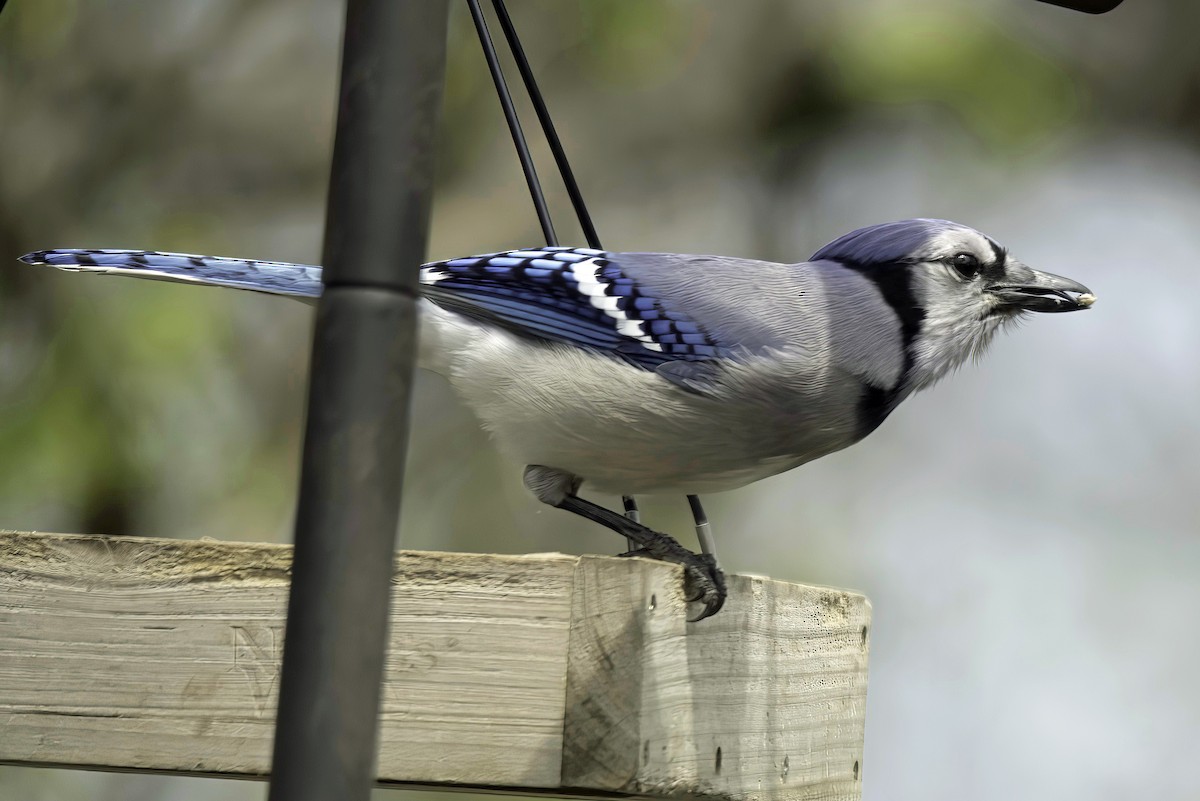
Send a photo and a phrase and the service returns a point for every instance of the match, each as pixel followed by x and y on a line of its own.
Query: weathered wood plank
pixel 545 674
pixel 765 700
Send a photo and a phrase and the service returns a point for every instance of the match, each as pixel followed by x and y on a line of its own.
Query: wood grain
pixel 544 674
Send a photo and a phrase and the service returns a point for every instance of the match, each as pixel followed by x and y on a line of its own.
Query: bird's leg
pixel 708 545
pixel 704 578
pixel 633 513
pixel 631 508
pixel 557 488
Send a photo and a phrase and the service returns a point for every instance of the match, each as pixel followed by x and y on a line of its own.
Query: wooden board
pixel 542 674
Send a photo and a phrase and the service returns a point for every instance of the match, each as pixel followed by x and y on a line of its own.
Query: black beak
pixel 1041 292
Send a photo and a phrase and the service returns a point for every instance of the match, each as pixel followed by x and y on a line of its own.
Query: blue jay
pixel 643 373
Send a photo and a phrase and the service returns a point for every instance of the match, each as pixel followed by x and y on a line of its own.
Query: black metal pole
pixel 393 65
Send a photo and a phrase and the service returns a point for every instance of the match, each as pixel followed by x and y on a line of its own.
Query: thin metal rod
pixel 543 115
pixel 514 124
pixel 631 510
pixel 326 735
pixel 704 533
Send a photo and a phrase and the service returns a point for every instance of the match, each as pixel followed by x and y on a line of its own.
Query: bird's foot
pixel 706 581
pixel 703 580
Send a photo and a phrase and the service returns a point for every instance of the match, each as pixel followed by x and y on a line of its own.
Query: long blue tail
pixel 274 277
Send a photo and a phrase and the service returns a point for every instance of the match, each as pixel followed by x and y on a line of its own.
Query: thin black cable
pixel 556 148
pixel 514 124
pixel 543 115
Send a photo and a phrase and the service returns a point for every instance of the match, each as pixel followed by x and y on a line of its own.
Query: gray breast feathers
pixel 815 312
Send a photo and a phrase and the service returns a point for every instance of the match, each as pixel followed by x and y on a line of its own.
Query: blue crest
pixel 885 243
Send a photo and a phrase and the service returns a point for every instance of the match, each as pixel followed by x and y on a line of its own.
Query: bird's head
pixel 951 286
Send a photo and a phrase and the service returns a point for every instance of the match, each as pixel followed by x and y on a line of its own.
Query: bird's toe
pixel 704 583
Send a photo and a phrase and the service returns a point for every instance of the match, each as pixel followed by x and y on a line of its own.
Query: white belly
pixel 625 430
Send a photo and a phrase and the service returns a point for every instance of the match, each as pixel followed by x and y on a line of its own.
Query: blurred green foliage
pixel 999 87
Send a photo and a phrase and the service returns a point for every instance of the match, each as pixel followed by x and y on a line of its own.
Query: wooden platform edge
pixel 544 674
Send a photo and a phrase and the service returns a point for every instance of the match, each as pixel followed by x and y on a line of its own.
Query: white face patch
pixel 958 323
pixel 959 240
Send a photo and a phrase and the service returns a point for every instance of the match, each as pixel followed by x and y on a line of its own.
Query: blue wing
pixel 578 296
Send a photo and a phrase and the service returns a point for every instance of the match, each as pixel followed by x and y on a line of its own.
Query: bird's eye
pixel 966 264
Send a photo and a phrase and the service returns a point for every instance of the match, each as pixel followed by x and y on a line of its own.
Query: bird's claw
pixel 704 582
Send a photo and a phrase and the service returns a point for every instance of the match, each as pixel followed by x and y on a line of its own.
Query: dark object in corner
pixel 1086 6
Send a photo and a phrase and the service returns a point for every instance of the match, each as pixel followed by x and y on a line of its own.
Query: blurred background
pixel 1027 530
